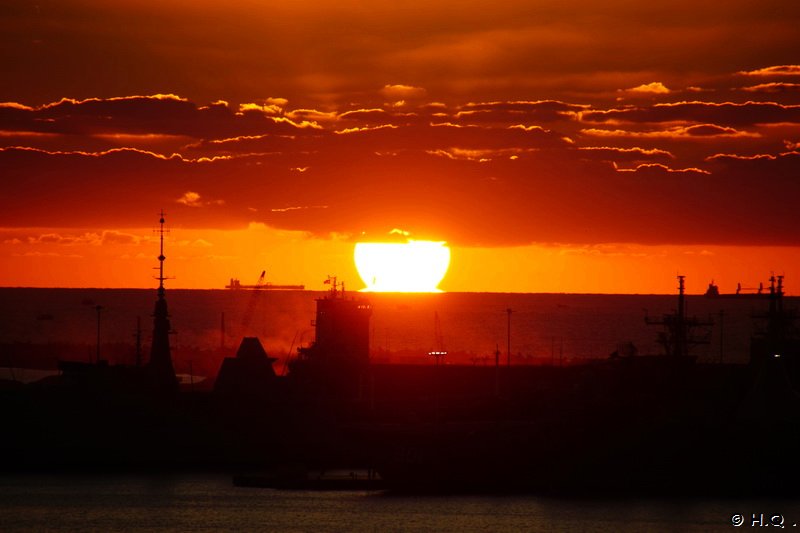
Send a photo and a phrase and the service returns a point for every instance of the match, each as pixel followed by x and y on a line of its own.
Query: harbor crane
pixel 252 302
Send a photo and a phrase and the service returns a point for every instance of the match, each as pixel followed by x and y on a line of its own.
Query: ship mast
pixel 777 337
pixel 678 335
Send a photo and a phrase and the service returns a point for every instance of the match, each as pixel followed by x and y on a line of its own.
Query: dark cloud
pixel 672 132
pixel 159 114
pixel 636 154
pixel 340 52
pixel 774 71
pixel 517 112
pixel 726 113
pixel 365 115
pixel 535 196
pixel 488 173
pixel 709 130
pixel 773 87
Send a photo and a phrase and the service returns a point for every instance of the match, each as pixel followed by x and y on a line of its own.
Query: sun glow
pixel 414 266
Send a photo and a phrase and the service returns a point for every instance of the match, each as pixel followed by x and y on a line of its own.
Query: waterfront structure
pixel 249 374
pixel 338 359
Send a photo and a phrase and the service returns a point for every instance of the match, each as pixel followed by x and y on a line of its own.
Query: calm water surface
pixel 211 503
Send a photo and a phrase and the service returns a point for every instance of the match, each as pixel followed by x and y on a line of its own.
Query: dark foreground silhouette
pixel 630 424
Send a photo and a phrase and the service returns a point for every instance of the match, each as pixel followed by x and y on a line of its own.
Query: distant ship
pixel 262 284
pixel 741 292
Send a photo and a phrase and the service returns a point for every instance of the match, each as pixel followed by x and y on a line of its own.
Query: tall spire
pixel 161 370
pixel 161 231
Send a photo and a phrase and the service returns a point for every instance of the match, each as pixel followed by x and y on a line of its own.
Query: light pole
pixel 98 308
pixel 508 355
pixel 721 335
pixel 497 370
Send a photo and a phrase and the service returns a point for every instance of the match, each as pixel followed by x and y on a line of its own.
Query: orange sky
pixel 557 146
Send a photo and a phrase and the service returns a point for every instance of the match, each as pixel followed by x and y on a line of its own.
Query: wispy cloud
pixel 297 208
pixel 655 87
pixel 402 92
pixel 778 70
pixel 647 167
pixel 774 87
pixel 193 199
pixel 696 131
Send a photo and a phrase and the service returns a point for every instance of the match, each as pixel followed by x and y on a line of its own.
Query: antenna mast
pixel 161 258
pixel 160 366
pixel 678 335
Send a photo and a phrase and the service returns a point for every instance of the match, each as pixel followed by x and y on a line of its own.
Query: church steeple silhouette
pixel 159 367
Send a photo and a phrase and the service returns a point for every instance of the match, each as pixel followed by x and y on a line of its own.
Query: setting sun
pixel 415 266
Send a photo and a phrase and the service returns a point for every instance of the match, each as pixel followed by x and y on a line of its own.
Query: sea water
pixel 212 503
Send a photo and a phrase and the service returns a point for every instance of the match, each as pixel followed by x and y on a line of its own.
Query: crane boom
pixel 251 304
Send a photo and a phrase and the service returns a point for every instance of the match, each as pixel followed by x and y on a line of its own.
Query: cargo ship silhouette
pixel 262 284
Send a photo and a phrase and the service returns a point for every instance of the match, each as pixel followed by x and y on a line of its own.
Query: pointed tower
pixel 160 369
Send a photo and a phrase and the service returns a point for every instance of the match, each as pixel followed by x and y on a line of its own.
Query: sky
pixel 556 146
